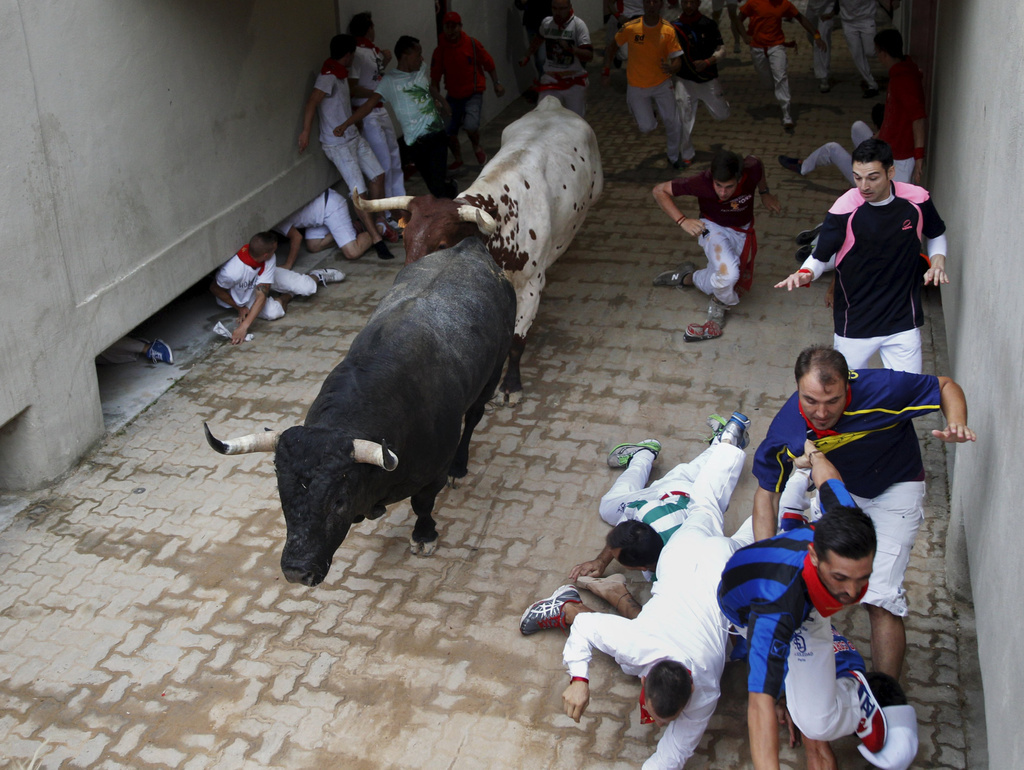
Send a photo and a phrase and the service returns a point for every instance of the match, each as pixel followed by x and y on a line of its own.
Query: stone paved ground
pixel 144 621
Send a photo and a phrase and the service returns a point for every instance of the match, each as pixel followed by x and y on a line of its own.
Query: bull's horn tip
pixel 216 443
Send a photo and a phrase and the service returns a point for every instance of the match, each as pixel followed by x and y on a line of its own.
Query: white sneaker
pixel 326 275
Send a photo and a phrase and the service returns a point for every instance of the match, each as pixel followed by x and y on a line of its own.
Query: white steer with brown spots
pixel 529 202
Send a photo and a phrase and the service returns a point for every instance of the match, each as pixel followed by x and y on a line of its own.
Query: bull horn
pixel 381 204
pixel 479 217
pixel 374 454
pixel 254 442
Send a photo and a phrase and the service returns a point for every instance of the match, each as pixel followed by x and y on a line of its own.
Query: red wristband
pixel 919 153
pixel 579 679
pixel 682 218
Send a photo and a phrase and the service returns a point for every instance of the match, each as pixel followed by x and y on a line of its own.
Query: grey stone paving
pixel 144 621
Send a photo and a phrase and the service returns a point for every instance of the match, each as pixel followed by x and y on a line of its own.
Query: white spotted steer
pixel 428 360
pixel 530 201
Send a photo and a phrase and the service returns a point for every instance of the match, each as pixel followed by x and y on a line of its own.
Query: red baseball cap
pixel 451 18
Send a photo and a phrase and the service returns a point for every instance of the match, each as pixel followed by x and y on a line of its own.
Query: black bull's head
pixel 321 478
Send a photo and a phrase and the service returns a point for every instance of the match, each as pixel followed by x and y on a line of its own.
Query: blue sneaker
pixel 160 352
pixel 620 456
pixel 735 431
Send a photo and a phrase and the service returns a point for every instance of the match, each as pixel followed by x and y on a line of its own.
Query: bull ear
pixel 484 221
pixel 254 442
pixel 372 453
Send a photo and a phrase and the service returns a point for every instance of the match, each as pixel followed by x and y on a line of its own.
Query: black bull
pixel 386 424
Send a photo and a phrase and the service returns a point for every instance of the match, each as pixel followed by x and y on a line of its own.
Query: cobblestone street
pixel 144 618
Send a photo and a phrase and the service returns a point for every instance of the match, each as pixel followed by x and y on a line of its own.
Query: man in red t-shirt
pixel 903 125
pixel 462 61
pixel 725 230
pixel 768 45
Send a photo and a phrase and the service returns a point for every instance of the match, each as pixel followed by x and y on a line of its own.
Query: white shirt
pixel 241 280
pixel 556 57
pixel 681 622
pixel 368 68
pixel 334 109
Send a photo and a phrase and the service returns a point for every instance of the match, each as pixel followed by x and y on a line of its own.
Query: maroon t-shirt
pixel 738 211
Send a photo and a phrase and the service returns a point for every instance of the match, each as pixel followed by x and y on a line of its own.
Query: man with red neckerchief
pixel 567 49
pixel 863 421
pixel 782 591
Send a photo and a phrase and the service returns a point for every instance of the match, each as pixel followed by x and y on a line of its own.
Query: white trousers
pixel 823 707
pixel 861 40
pixel 900 352
pixel 772 67
pixel 688 93
pixel 822 59
pixel 904 170
pixel 573 98
pixel 642 101
pixel 709 479
pixel 379 132
pixel 354 160
pixel 834 154
pixel 897 514
pixel 285 282
pixel 723 247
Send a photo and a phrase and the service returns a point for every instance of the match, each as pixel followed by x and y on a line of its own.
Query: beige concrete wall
pixel 976 153
pixel 142 143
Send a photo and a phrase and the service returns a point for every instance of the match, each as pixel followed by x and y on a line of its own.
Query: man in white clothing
pixel 677 642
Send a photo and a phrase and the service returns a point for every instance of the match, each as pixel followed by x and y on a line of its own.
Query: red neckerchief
pixel 363 42
pixel 824 602
pixel 243 254
pixel 823 433
pixel 691 20
pixel 334 67
pixel 563 26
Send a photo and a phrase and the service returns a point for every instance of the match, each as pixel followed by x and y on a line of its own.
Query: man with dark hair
pixel 418 107
pixel 676 643
pixel 783 590
pixel 905 114
pixel 768 44
pixel 863 420
pixel 725 230
pixel 367 69
pixel 653 57
pixel 703 48
pixel 567 50
pixel 873 236
pixel 350 153
pixel 462 61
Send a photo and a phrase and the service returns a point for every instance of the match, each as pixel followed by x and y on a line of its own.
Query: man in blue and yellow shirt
pixel 862 421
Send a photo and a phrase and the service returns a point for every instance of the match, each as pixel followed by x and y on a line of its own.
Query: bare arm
pixel 593 568
pixel 917 127
pixel 954 409
pixel 535 44
pixel 811 30
pixel 294 241
pixel 358 113
pixel 663 195
pixel 763 731
pixel 766 515
pixel 307 117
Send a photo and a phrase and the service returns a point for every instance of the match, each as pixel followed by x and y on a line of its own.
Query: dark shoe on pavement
pixel 806 236
pixel 550 612
pixel 383 252
pixel 675 277
pixel 791 164
pixel 804 252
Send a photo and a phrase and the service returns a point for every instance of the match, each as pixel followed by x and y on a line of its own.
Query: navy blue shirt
pixel 874 444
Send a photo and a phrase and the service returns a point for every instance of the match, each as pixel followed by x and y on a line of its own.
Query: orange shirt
pixel 648 48
pixel 765 28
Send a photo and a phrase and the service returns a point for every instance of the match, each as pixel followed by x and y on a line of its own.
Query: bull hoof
pixel 513 398
pixel 422 549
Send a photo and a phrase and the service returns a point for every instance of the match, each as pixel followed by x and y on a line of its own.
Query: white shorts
pixel 356 162
pixel 897 514
pixel 900 352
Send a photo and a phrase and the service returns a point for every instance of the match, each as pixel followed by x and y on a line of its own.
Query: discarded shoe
pixel 711 328
pixel 806 236
pixel 550 612
pixel 804 252
pixel 620 455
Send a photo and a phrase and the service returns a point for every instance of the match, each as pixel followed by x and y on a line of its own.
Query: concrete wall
pixel 976 151
pixel 142 143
